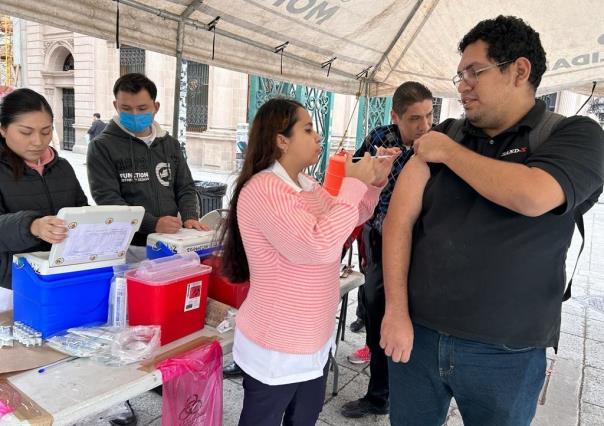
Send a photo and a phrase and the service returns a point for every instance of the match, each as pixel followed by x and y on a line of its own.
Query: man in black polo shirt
pixel 475 241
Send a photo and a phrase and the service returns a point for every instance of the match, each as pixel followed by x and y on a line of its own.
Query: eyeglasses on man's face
pixel 470 75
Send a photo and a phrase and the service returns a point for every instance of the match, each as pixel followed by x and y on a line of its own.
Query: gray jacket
pixel 96 129
pixel 123 170
pixel 31 197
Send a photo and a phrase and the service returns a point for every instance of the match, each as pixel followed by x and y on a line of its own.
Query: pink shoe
pixel 360 356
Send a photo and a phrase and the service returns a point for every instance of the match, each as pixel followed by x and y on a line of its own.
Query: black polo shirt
pixel 482 272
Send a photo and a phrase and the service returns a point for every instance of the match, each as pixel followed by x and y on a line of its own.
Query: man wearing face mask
pixel 135 162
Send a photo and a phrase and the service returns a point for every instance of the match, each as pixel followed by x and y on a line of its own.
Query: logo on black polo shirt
pixel 522 150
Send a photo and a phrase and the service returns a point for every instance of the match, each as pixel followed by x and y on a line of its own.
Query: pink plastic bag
pixel 192 392
pixel 10 399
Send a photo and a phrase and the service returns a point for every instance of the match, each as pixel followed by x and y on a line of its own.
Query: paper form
pixel 99 240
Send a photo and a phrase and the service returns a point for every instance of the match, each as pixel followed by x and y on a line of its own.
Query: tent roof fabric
pixel 390 41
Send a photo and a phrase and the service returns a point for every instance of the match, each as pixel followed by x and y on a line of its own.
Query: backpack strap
pixel 542 131
pixel 538 135
pixel 581 227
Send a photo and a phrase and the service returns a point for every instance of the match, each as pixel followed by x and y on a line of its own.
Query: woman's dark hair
pixel 20 101
pixel 509 38
pixel 276 117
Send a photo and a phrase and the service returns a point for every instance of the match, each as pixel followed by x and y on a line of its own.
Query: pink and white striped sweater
pixel 293 242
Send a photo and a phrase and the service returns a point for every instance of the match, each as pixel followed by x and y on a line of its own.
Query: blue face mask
pixel 136 123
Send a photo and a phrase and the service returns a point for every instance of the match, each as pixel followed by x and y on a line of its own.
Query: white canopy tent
pixel 388 41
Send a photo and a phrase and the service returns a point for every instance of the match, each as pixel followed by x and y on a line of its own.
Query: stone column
pixel 343 108
pixel 568 103
pixel 35 57
pixel 84 88
pixel 214 149
pixel 161 70
pixel 451 108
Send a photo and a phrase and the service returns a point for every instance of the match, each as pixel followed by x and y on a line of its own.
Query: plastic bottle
pixel 117 315
pixel 117 303
pixel 336 170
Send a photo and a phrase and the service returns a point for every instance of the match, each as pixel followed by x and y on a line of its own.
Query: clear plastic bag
pixel 228 323
pixel 76 345
pixel 135 344
pixel 192 390
pixel 111 346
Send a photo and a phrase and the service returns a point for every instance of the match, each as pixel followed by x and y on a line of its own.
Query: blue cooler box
pixel 204 243
pixel 54 303
pixel 69 286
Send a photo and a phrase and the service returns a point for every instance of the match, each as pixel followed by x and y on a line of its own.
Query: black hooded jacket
pixel 28 198
pixel 123 170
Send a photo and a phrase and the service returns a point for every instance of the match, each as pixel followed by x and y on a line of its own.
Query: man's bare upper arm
pixel 406 202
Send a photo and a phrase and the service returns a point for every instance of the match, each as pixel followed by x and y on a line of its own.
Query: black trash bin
pixel 210 195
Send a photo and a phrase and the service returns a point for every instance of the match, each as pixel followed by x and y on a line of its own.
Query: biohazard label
pixel 193 299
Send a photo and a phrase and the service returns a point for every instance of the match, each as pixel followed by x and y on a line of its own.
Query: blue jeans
pixel 492 384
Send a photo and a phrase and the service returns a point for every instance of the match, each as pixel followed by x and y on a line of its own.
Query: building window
pixel 197 96
pixel 132 59
pixel 550 101
pixel 68 64
pixel 437 104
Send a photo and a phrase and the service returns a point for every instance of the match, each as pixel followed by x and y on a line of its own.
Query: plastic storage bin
pixel 69 286
pixel 170 292
pixel 204 243
pixel 221 288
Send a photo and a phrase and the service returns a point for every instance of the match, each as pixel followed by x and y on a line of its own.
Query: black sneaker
pixel 357 325
pixel 362 408
pixel 232 370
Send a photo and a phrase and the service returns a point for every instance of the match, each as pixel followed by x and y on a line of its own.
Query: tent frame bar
pixel 180 36
pixel 406 23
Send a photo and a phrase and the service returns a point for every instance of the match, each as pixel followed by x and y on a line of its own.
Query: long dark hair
pixel 20 101
pixel 276 117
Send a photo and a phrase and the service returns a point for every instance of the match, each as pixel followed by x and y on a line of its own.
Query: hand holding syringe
pixel 382 152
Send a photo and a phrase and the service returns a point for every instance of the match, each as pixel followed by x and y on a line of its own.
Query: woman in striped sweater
pixel 285 234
